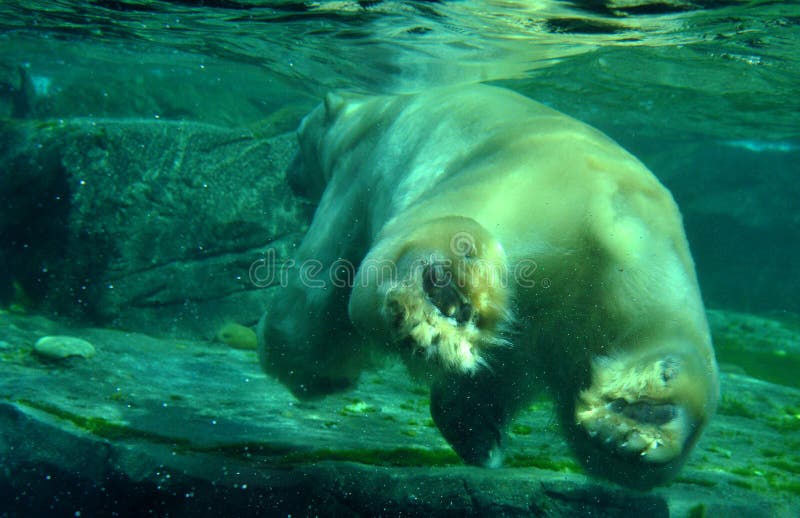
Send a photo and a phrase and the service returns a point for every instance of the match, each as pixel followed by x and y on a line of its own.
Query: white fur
pixel 612 287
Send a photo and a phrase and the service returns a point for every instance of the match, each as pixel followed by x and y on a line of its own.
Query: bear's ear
pixel 339 103
pixel 334 103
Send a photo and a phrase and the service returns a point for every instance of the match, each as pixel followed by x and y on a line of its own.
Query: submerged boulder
pixel 181 427
pixel 144 224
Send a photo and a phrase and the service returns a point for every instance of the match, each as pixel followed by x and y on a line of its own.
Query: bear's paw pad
pixel 630 411
pixel 656 432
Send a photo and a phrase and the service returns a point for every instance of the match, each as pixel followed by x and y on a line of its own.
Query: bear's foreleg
pixel 305 337
pixel 437 294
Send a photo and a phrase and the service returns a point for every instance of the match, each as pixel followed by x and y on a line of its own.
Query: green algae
pixel 287 457
pixel 748 471
pixel 419 390
pixel 736 407
pixel 101 427
pixel 787 421
pixel 357 407
pixel 17 356
pixel 418 457
pixel 521 429
pixel 21 302
pixel 695 481
pixel 562 465
pixel 769 452
pixel 698 511
pixel 766 480
pixel 741 483
pixel 720 451
pixel 397 457
pixel 415 405
pixel 789 466
pixel 275 455
pixel 788 486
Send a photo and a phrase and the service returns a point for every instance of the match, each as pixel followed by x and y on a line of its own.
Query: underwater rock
pixel 128 241
pixel 192 428
pixel 61 347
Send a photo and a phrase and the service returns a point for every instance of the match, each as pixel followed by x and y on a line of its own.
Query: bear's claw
pixel 641 419
pixel 655 432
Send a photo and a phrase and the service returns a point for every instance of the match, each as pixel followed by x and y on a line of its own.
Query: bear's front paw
pixel 450 305
pixel 637 410
pixel 435 317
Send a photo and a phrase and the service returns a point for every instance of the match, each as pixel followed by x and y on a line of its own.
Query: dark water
pixel 704 92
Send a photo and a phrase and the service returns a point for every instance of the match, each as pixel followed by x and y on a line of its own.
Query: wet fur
pixel 467 185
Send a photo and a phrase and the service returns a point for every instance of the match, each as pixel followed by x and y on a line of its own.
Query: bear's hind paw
pixel 655 432
pixel 637 409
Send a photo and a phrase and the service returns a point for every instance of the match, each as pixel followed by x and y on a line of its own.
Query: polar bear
pixel 498 247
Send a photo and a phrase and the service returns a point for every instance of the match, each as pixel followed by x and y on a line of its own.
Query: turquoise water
pixel 726 72
pixel 144 143
pixel 705 96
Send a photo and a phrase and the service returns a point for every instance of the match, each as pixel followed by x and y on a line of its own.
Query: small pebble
pixel 60 347
pixel 237 336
